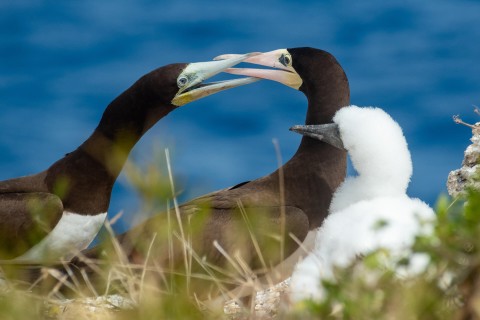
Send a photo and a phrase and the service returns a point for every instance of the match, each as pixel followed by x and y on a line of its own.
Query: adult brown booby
pixel 254 225
pixel 55 213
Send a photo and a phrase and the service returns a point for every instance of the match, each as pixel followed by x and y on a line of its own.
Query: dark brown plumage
pixel 81 182
pixel 309 179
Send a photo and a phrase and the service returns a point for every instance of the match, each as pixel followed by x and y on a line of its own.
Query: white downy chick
pixel 369 211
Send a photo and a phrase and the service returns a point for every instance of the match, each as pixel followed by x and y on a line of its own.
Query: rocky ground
pixel 459 179
pixel 267 304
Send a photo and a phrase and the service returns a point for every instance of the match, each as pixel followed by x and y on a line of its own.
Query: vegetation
pixel 449 288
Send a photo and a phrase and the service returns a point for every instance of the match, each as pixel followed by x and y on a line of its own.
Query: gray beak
pixel 328 133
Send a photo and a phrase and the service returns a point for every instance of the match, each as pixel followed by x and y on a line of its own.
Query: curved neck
pixel 84 178
pixel 317 165
pixel 322 106
pixel 124 122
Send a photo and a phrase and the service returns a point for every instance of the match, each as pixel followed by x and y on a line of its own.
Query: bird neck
pixel 322 106
pixel 317 165
pixel 84 178
pixel 319 111
pixel 124 122
pixel 320 168
pixel 383 165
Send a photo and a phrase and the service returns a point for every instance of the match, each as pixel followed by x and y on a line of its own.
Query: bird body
pixel 252 227
pixel 370 211
pixel 54 214
pixel 73 231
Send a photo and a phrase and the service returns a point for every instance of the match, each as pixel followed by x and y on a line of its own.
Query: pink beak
pixel 282 72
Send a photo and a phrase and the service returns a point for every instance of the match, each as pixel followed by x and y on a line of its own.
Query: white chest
pixel 74 232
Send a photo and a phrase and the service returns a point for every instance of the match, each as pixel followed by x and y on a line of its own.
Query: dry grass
pixel 149 289
pixel 144 291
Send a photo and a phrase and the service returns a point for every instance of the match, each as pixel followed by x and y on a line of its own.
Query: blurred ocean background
pixel 62 62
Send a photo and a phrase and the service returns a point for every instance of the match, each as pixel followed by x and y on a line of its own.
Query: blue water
pixel 61 63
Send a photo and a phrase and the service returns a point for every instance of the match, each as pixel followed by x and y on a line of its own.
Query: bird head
pixel 312 71
pixel 376 144
pixel 305 69
pixel 189 79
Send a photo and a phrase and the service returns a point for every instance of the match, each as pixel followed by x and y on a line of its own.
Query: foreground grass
pixel 448 289
pixel 143 291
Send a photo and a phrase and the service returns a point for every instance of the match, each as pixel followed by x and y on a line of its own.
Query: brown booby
pixel 254 225
pixel 55 213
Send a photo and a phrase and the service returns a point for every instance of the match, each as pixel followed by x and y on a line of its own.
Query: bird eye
pixel 286 60
pixel 182 81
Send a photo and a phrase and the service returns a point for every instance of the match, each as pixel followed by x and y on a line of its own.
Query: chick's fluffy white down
pixel 370 211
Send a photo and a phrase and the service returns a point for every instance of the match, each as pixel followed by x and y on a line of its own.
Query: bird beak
pixel 280 59
pixel 328 133
pixel 190 81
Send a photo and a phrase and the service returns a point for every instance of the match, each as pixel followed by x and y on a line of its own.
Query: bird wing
pixel 259 236
pixel 25 219
pixel 223 223
pixel 220 234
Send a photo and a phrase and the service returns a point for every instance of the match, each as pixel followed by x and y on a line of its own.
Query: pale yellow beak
pixel 190 81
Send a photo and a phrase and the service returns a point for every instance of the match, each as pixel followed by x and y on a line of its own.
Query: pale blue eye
pixel 182 81
pixel 286 60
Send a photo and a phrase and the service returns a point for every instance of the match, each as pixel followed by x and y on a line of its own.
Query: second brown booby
pixel 254 225
pixel 56 213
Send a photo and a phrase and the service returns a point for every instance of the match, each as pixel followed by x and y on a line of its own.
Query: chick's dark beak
pixel 328 133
